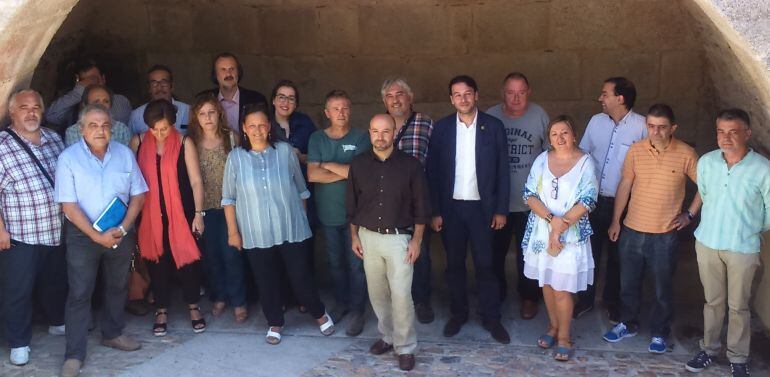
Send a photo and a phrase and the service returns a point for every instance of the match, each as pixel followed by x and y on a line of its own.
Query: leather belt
pixel 391 230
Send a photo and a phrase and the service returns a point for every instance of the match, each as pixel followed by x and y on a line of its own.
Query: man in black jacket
pixel 227 72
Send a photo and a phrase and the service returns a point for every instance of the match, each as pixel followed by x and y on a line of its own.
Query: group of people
pixel 216 196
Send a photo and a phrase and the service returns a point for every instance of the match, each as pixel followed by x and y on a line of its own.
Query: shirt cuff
pixel 228 202
pixel 305 194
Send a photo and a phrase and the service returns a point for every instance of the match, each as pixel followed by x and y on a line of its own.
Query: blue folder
pixel 112 216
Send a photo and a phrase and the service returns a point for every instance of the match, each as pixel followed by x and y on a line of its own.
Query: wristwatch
pixel 549 218
pixel 122 230
pixel 690 215
pixel 203 214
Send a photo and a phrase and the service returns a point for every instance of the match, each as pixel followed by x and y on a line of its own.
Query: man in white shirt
pixel 160 85
pixel 607 138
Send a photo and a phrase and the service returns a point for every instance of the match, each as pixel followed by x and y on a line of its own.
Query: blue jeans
pixel 657 254
pixel 346 270
pixel 224 264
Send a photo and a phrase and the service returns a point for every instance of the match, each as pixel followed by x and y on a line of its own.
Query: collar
pixel 651 148
pixel 473 124
pixel 88 151
pixel 624 119
pixel 236 96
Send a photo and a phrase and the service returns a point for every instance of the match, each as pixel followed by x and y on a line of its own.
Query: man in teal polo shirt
pixel 734 183
pixel 328 159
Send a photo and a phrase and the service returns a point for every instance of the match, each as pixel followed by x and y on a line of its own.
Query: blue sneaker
pixel 618 332
pixel 657 345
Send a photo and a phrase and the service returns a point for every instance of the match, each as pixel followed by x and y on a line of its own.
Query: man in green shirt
pixel 734 183
pixel 328 159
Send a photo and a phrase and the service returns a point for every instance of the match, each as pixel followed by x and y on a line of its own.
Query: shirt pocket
pixel 119 182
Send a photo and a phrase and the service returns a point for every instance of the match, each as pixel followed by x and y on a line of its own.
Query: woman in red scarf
pixel 172 216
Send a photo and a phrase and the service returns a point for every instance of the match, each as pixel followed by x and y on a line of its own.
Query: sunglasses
pixel 555 187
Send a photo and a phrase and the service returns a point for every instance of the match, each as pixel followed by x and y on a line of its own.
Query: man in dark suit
pixel 468 179
pixel 227 72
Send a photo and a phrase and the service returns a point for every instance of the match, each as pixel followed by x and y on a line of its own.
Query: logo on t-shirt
pixel 348 147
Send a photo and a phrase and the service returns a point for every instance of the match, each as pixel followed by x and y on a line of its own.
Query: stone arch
pixel 698 55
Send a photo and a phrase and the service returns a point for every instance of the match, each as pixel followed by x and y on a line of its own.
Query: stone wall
pixel 566 48
pixel 24 38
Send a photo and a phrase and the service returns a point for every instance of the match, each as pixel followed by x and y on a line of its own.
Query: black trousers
pixel 32 271
pixel 268 264
pixel 527 288
pixel 84 260
pixel 465 222
pixel 162 273
pixel 601 219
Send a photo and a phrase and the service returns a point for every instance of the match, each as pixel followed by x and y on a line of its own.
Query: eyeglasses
pixel 555 186
pixel 283 98
pixel 156 83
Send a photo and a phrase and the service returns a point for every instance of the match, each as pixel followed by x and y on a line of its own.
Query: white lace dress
pixel 573 269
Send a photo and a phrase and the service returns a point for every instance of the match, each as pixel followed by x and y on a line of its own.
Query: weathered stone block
pixel 228 28
pixel 290 31
pixel 661 25
pixel 682 73
pixel 339 29
pixel 170 25
pixel 642 68
pixel 418 30
pixel 510 27
pixel 589 24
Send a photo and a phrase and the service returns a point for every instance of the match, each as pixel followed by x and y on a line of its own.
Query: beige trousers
pixel 389 279
pixel 726 277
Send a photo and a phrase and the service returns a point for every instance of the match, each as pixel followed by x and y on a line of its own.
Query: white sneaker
pixel 19 355
pixel 56 330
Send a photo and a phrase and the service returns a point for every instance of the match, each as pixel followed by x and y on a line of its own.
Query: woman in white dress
pixel 561 189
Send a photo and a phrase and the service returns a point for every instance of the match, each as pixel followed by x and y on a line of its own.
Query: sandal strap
pixel 198 308
pixel 271 333
pixel 159 312
pixel 328 324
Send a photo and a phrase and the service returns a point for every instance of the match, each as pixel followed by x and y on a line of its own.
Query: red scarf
pixel 183 246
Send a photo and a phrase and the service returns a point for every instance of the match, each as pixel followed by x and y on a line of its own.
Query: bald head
pixel 382 130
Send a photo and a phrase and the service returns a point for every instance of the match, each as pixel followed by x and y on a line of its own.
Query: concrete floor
pixel 230 349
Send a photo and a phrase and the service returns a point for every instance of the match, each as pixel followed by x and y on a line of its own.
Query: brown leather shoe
pixel 122 343
pixel 528 309
pixel 71 368
pixel 406 361
pixel 380 347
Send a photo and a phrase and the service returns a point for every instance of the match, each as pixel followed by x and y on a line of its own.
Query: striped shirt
pixel 414 136
pixel 30 213
pixel 659 179
pixel 266 189
pixel 736 202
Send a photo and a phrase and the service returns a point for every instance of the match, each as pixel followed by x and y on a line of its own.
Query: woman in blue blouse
pixel 560 190
pixel 296 128
pixel 264 195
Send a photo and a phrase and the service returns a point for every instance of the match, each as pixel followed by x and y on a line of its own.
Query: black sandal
pixel 159 329
pixel 198 325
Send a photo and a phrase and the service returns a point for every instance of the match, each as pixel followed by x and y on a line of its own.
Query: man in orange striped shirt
pixel 653 178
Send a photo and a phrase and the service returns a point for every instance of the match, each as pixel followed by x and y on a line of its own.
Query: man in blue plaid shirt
pixel 30 224
pixel 413 132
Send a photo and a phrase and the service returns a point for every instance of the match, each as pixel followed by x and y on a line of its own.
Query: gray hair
pixel 12 100
pixel 99 108
pixel 400 81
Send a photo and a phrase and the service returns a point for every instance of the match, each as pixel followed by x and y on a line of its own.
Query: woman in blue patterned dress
pixel 561 189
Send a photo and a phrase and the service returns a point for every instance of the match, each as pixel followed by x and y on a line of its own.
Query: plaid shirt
pixel 27 201
pixel 414 136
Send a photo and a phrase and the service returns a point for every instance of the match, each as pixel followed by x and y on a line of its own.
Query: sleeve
pixel 544 120
pixel 420 196
pixel 138 184
pixel 135 122
pixel 184 113
pixel 503 188
pixel 587 187
pixel 229 180
pixel 585 143
pixel 61 108
pixel 351 197
pixel 691 169
pixel 313 152
pixel 424 139
pixel 296 174
pixel 64 183
pixel 534 179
